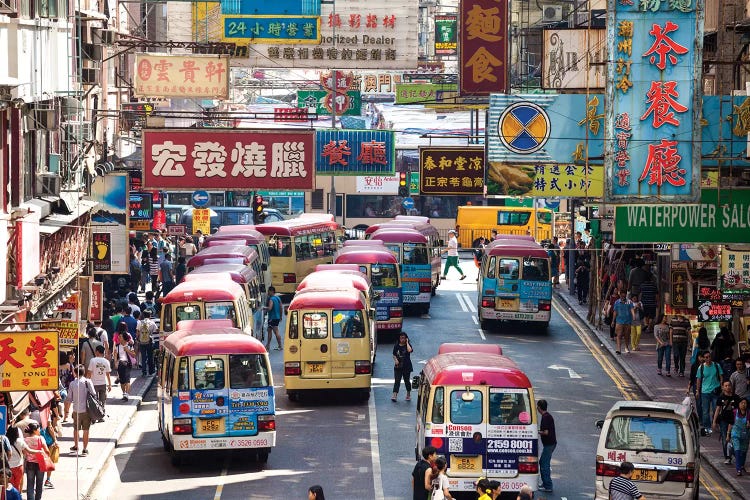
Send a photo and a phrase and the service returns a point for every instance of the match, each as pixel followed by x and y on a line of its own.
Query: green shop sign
pixel 322 100
pixel 723 216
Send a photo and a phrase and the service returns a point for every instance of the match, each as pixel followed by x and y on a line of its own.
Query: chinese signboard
pixel 202 220
pixel 725 134
pixel 68 316
pixel 566 181
pixel 356 34
pixel 348 102
pixel 444 170
pixel 110 221
pixel 29 360
pixel 711 306
pixel 228 159
pixel 484 46
pixel 96 301
pixel 371 184
pixel 102 251
pixel 141 206
pixel 355 152
pixel 574 59
pixel 423 93
pixel 271 29
pixel 446 27
pixel 680 288
pixel 735 271
pixel 290 115
pixel 653 85
pixel 193 76
pixel 721 217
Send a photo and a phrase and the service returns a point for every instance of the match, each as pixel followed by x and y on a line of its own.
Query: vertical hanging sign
pixel 652 135
pixel 483 47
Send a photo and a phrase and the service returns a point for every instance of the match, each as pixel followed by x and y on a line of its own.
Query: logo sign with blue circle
pixel 408 203
pixel 523 128
pixel 200 198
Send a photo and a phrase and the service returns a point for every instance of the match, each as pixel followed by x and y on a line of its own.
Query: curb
pixel 605 342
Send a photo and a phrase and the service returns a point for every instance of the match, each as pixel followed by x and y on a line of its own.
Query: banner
pixel 446 35
pixel 243 160
pixel 110 224
pixel 484 46
pixel 424 93
pixel 451 170
pixel 96 301
pixel 355 152
pixel 348 103
pixel 202 220
pixel 735 271
pixel 712 306
pixel 186 77
pixel 270 29
pixel 29 361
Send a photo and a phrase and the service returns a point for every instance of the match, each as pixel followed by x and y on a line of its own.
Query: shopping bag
pixel 45 462
pixel 94 407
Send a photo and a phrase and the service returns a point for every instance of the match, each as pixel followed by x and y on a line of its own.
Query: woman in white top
pixel 440 482
pixel 15 461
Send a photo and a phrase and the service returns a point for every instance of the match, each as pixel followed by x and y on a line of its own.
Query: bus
pixel 297 246
pixel 477 408
pixel 242 254
pixel 382 268
pixel 338 279
pixel 329 343
pixel 241 235
pixel 514 283
pixel 215 392
pixel 420 264
pixel 473 222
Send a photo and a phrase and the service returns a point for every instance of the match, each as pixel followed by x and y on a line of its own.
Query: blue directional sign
pixel 200 198
pixel 408 203
pixel 272 29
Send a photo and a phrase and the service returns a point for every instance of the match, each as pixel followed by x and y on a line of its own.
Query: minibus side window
pixel 170 375
pixel 293 326
pixel 509 408
pixel 491 267
pixel 438 406
pixel 183 376
pixel 315 325
pixel 396 251
pixel 208 374
pixel 415 254
pixel 466 412
pixel 247 371
pixel 167 324
pixel 348 324
pixel 508 269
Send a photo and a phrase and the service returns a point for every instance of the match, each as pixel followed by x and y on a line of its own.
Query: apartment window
pixel 9 7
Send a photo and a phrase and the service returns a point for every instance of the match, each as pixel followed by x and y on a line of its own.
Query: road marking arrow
pixel 571 373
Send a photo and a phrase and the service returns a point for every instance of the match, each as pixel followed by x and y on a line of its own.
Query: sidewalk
pixel 74 476
pixel 641 367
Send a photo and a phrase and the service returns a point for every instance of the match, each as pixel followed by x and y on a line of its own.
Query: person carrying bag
pixel 37 464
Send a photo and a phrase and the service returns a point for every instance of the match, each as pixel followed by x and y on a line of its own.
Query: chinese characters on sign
pixel 28 361
pixel 446 26
pixel 451 170
pixel 102 251
pixel 271 29
pixel 679 292
pixel 348 103
pixel 423 93
pixel 711 306
pixel 735 271
pixel 484 44
pixel 228 159
pixel 372 184
pixel 195 76
pixel 354 152
pixel 653 139
pixel 568 180
pixel 201 220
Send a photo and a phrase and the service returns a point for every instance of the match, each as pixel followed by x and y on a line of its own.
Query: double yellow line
pixel 629 391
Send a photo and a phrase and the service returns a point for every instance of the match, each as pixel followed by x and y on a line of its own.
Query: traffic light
pixel 403 184
pixel 258 215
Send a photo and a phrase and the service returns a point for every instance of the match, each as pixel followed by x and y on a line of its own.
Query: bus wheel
pixel 177 458
pixel 485 324
pixel 165 443
pixel 292 395
pixel 365 395
pixel 426 309
pixel 262 456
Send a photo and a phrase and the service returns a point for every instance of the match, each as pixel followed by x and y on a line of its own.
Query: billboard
pixel 356 34
pixel 355 152
pixel 451 170
pixel 735 271
pixel 29 361
pixel 652 130
pixel 243 160
pixel 574 59
pixel 377 184
pixel 348 103
pixel 484 46
pixel 192 76
pixel 423 93
pixel 110 221
pixel 271 29
pixel 277 7
pixel 446 35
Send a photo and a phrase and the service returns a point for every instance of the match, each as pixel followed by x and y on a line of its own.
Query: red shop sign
pixel 483 46
pixel 229 159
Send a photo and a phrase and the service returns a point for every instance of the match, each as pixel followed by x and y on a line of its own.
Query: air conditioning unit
pixel 79 132
pixel 90 76
pixel 48 184
pixel 552 13
pixel 92 51
pixel 102 36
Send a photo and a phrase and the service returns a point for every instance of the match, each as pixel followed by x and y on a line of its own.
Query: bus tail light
pixel 488 302
pixel 292 368
pixel 182 426
pixel 686 475
pixel 425 288
pixel 545 305
pixel 528 465
pixel 397 312
pixel 266 423
pixel 290 278
pixel 362 368
pixel 606 470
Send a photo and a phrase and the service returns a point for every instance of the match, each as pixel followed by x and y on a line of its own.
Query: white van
pixel 660 439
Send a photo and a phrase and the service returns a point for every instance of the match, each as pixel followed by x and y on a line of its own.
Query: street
pixel 353 448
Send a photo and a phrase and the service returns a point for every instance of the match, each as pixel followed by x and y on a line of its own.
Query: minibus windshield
pixel 509 408
pixel 384 275
pixel 247 371
pixel 415 253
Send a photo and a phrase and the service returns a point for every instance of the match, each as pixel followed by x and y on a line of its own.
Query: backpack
pixel 145 306
pixel 144 333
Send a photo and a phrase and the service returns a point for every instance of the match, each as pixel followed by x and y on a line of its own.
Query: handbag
pixel 94 407
pixel 45 462
pixel 54 453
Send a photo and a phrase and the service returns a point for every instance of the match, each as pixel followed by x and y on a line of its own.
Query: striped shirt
pixel 622 488
pixel 648 294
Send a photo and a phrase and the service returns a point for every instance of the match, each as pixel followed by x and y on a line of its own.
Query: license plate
pixel 211 426
pixel 466 464
pixel 314 367
pixel 644 475
pixel 507 304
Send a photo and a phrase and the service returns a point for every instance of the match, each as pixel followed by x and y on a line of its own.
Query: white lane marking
pixel 481 334
pixel 377 480
pixel 222 479
pixel 476 321
pixel 469 303
pixel 461 303
pixel 571 373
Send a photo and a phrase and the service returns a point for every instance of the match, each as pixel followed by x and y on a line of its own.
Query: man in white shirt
pixel 98 371
pixel 77 392
pixel 452 260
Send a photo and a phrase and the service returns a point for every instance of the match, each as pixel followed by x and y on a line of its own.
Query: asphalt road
pixel 351 447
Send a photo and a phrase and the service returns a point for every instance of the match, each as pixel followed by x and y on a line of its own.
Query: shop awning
pixel 89 15
pixel 75 208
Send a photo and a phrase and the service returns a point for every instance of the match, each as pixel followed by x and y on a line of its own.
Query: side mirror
pixel 599 424
pixel 377 295
pixel 264 267
pixel 415 381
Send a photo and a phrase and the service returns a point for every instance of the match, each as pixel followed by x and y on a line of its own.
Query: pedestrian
pixel 723 417
pixel 554 253
pixel 649 295
pixel 103 337
pixel 88 346
pixel 738 380
pixel 740 437
pixel 493 235
pixel 18 451
pixel 150 304
pixel 622 317
pixel 65 370
pixel 153 267
pixel 180 270
pixel 483 489
pixel 663 336
pixel 525 493
pixel 50 434
pixel 273 309
pixel 135 271
pixel 549 443
pixel 621 487
pixel 636 326
pixel 166 271
pixel 34 474
pixel 133 303
pixel 496 488
pixel 315 492
pixel 124 361
pixel 98 372
pixel 402 366
pixel 200 239
pixel 452 251
pixel 129 320
pixel 709 387
pixel 79 390
pixel 420 475
pixel 146 329
pixel 582 272
pixel 722 349
pixel 440 481
pixel 145 266
pixel 701 343
pixel 9 489
pixel 680 327
pixel 693 382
